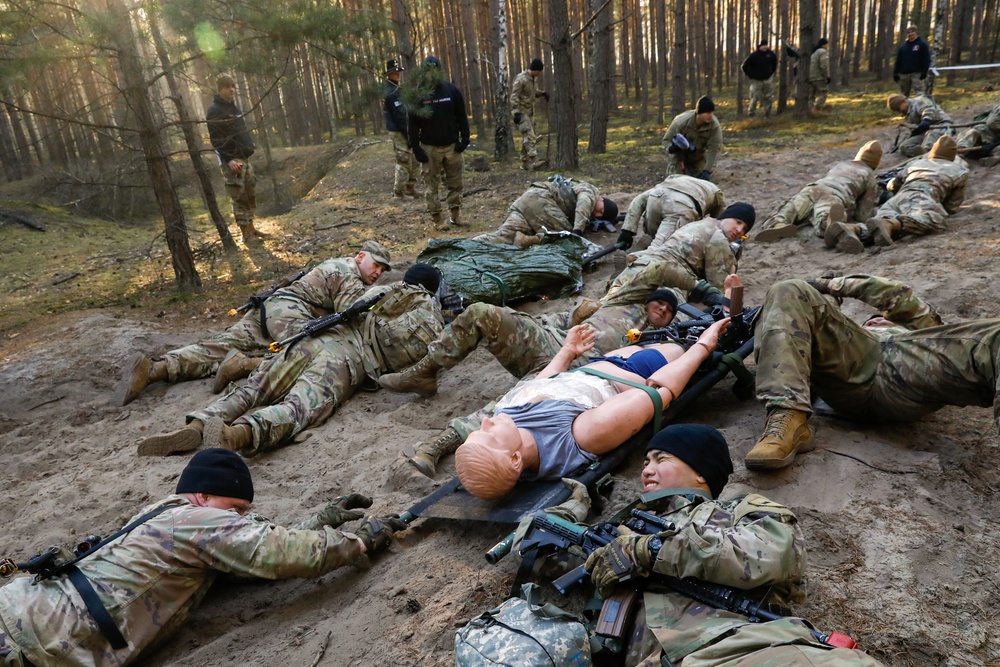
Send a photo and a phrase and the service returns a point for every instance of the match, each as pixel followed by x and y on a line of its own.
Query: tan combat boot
pixel 233 438
pixel 775 231
pixel 250 233
pixel 785 433
pixel 440 223
pixel 420 378
pixel 139 374
pixel 882 230
pixel 582 310
pixel 427 454
pixel 185 439
pixel 844 238
pixel 234 367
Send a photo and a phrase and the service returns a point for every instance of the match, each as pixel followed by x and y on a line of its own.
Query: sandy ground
pixel 904 543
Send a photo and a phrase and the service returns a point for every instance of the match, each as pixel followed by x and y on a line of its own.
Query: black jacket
pixel 447 123
pixel 760 65
pixel 228 131
pixel 395 115
pixel 913 57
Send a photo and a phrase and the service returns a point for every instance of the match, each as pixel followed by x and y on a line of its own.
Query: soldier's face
pixel 369 268
pixel 535 72
pixel 599 207
pixel 659 314
pixel 734 229
pixel 911 35
pixel 704 118
pixel 240 505
pixel 904 107
pixel 228 93
pixel 394 76
pixel 661 470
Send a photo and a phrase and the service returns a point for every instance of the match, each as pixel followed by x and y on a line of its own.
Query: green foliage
pixel 419 87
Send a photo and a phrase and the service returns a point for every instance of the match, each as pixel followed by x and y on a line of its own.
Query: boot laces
pixel 777 424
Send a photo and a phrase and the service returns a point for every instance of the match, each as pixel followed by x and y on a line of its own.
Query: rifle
pixel 257 299
pixel 591 258
pixel 980 152
pixel 320 324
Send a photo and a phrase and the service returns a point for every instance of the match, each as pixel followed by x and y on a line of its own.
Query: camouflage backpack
pixel 524 633
pixel 399 328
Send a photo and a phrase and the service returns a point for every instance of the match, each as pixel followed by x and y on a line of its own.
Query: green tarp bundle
pixel 501 274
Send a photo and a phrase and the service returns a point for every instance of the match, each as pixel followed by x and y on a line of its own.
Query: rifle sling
pixel 734 362
pixel 653 394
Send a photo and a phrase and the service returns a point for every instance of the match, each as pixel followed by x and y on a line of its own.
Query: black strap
pixel 105 623
pixel 263 321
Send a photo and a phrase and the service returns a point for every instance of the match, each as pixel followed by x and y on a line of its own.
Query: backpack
pixel 522 632
pixel 399 328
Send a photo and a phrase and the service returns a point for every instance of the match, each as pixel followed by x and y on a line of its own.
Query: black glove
pixel 923 75
pixel 708 294
pixel 705 175
pixel 921 128
pixel 517 117
pixel 821 285
pixel 420 154
pixel 462 144
pixel 895 77
pixel 672 149
pixel 376 532
pixel 625 239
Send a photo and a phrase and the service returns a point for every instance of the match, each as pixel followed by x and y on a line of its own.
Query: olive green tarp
pixel 501 274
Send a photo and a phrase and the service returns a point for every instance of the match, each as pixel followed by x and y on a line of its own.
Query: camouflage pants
pixel 921 143
pixel 911 85
pixel 664 214
pixel 242 189
pixel 980 135
pixel 526 217
pixel 803 340
pixel 293 390
pixel 918 212
pixel 646 272
pixel 10 653
pixel 761 93
pixel 690 164
pixel 443 163
pixel 407 166
pixel 814 199
pixel 818 88
pixel 528 140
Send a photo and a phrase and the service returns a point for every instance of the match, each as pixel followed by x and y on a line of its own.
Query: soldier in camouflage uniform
pixel 847 190
pixel 151 579
pixel 696 253
pixel 926 191
pixel 981 134
pixel 929 120
pixel 407 167
pixel 675 202
pixel 557 203
pixel 522 104
pixel 819 75
pixel 330 287
pixel 303 385
pixel 899 366
pixel 750 543
pixel 703 133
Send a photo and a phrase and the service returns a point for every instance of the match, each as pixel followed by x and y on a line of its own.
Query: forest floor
pixel 900 521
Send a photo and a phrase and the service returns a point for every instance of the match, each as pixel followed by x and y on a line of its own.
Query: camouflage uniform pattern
pixel 819 72
pixel 850 184
pixel 407 167
pixel 443 162
pixel 894 373
pixel 694 252
pixel 672 204
pixel 922 108
pixel 151 579
pixel 752 544
pixel 707 140
pixel 546 204
pixel 330 287
pixel 982 133
pixel 242 189
pixel 932 189
pixel 761 93
pixel 522 99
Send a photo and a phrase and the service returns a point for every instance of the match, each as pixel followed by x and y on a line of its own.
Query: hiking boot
pixel 785 432
pixel 582 310
pixel 776 232
pixel 235 366
pixel 250 233
pixel 882 230
pixel 426 455
pixel 412 192
pixel 844 238
pixel 234 438
pixel 420 378
pixel 185 439
pixel 456 218
pixel 140 373
pixel 396 194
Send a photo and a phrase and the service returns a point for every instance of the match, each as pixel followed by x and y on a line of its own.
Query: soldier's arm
pixel 517 97
pixel 461 116
pixel 719 260
pixel 586 199
pixel 955 198
pixel 635 211
pixel 713 147
pixel 668 136
pixel 865 204
pixel 895 299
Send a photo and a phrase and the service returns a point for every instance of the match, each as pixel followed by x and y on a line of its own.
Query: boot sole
pixel 183 440
pixel 776 234
pixel 212 436
pixel 124 392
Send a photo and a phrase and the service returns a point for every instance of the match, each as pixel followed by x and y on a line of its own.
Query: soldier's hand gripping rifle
pixel 257 299
pixel 321 324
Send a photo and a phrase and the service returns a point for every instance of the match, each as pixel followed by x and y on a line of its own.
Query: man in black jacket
pixel 439 133
pixel 760 67
pixel 395 122
pixel 912 62
pixel 233 144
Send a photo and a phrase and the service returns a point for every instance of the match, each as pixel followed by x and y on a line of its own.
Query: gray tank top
pixel 551 423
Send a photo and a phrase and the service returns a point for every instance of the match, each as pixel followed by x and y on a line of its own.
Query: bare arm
pixel 579 340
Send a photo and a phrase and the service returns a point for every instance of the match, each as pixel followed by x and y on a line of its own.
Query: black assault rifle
pixel 257 299
pixel 592 257
pixel 321 324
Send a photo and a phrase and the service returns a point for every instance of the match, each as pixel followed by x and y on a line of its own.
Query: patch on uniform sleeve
pixel 755 506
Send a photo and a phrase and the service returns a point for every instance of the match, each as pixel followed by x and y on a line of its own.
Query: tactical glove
pixel 517 117
pixel 828 79
pixel 625 239
pixel 622 559
pixel 376 532
pixel 672 149
pixel 544 94
pixel 343 509
pixel 420 154
pixel 821 285
pixel 895 77
pixel 708 294
pixel 705 175
pixel 462 144
pixel 921 128
pixel 923 75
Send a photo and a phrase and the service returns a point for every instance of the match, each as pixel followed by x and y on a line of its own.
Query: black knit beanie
pixel 610 210
pixel 701 447
pixel 217 472
pixel 741 211
pixel 424 275
pixel 705 104
pixel 664 295
pixel 536 65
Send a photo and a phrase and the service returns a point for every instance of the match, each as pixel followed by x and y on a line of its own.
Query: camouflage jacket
pixel 707 139
pixel 853 183
pixel 704 197
pixel 943 180
pixel 398 329
pixel 576 199
pixel 522 94
pixel 330 287
pixel 922 107
pixel 704 249
pixel 819 65
pixel 151 579
pixel 896 301
pixel 611 323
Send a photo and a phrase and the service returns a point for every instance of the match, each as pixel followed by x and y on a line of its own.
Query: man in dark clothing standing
pixel 395 123
pixel 912 62
pixel 233 144
pixel 760 67
pixel 438 134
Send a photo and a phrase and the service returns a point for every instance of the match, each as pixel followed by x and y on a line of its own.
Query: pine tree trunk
pixel 600 78
pixel 808 29
pixel 401 27
pixel 679 55
pixel 503 140
pixel 475 90
pixel 564 118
